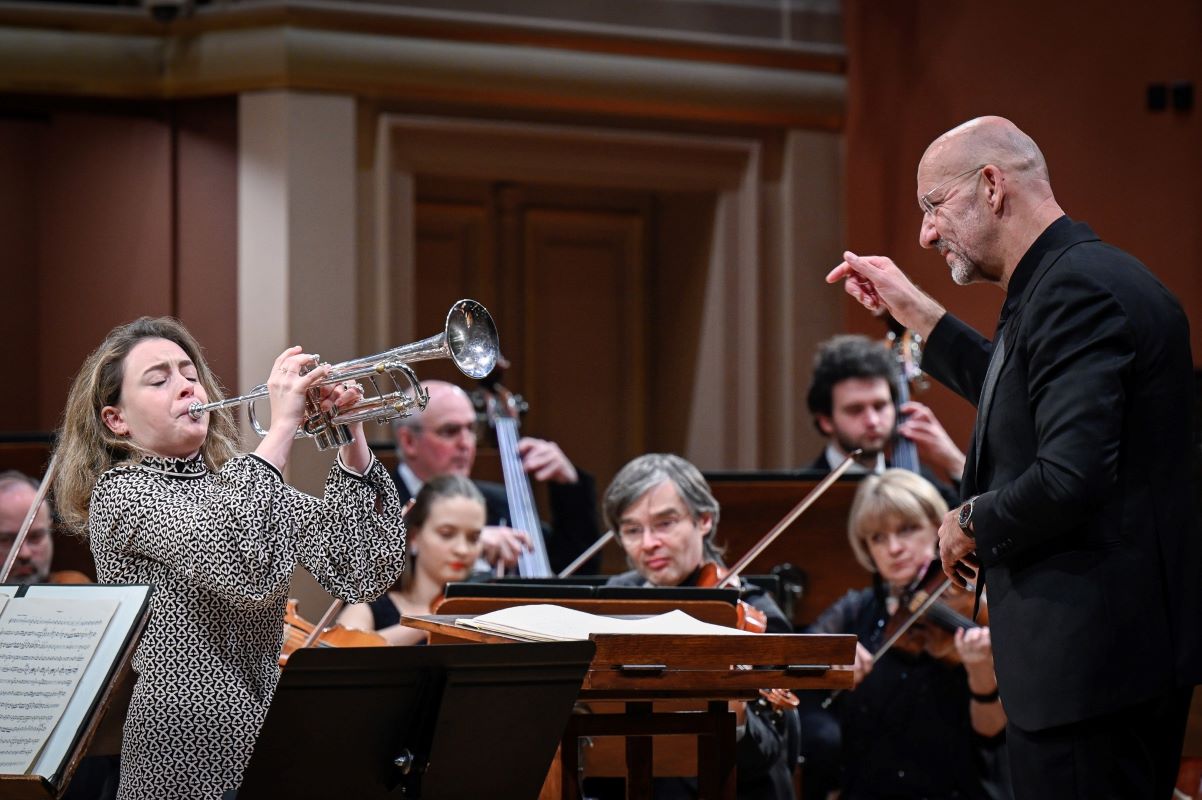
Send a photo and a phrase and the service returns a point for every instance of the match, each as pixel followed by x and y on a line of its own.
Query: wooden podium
pixel 637 670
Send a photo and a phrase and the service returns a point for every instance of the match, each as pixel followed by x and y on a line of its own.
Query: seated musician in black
pixel 442 441
pixel 916 725
pixel 665 517
pixel 444 528
pixel 853 399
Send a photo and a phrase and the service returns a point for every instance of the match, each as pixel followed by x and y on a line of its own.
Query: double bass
pixel 503 409
pixel 906 347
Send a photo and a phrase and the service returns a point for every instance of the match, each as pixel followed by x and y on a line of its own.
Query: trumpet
pixel 469 339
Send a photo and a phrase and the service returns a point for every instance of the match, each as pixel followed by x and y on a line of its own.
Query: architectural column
pixel 296 241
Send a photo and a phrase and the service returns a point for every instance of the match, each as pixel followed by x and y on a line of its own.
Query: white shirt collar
pixel 835 456
pixel 411 481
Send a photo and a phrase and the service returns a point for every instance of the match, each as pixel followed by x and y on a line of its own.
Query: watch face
pixel 965 514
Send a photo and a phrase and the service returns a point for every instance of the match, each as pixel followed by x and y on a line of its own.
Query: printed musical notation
pixel 45 646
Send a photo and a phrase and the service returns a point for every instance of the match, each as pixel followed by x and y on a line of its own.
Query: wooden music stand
pixel 416 722
pixel 640 669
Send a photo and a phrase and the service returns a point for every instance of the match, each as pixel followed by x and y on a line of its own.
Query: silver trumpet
pixel 469 339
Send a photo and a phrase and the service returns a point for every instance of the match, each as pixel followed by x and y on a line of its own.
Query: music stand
pixel 430 722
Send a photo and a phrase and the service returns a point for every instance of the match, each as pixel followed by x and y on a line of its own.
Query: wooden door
pixel 564 273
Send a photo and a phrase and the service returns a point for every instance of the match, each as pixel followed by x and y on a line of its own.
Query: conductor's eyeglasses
pixel 928 205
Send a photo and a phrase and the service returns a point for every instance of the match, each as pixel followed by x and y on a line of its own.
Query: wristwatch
pixel 965 517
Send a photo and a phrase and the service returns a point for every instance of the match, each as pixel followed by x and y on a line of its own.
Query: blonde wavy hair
pixel 894 495
pixel 87 448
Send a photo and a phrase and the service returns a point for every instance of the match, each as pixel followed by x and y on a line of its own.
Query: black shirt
pixel 906 730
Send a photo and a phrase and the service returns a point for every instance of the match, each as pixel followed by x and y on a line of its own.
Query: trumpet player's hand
pixel 545 461
pixel 287 390
pixel 502 546
pixel 339 397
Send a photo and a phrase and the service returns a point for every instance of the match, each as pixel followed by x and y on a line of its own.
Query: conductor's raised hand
pixel 879 285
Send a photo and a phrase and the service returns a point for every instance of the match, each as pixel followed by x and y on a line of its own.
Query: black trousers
pixel 1131 754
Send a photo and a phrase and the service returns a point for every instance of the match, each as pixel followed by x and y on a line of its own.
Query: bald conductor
pixel 1079 506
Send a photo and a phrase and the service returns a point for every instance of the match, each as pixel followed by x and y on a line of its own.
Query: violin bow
pixel 787 520
pixel 914 617
pixel 589 552
pixel 905 626
pixel 322 624
pixel 38 499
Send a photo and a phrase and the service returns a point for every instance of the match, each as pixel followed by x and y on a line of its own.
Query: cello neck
pixel 523 514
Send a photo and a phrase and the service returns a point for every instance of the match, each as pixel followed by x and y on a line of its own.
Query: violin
pixel 299 633
pixel 749 618
pixel 929 612
pixel 68 576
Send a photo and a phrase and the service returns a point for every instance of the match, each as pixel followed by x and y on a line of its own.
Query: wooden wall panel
pixel 206 224
pixel 585 334
pixel 19 148
pixel 104 238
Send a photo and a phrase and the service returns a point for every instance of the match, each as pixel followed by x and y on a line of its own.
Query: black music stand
pixel 406 722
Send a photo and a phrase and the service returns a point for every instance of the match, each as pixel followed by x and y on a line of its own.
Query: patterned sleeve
pixel 353 538
pixel 221 534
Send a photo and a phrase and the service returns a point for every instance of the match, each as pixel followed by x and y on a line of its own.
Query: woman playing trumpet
pixel 164 500
pixel 445 525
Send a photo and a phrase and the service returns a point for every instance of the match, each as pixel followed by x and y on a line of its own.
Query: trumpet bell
pixel 471 338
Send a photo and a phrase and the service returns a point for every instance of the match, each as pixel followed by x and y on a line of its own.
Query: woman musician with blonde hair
pixel 164 499
pixel 924 719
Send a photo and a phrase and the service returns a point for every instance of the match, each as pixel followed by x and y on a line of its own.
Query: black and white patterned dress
pixel 219 548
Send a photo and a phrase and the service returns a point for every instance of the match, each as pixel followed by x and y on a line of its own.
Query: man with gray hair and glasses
pixel 1080 513
pixel 442 441
pixel 666 517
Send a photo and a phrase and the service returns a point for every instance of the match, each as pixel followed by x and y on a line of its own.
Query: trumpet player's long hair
pixel 87 448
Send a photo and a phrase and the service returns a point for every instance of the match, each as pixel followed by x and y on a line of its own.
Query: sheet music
pixel 45 646
pixel 546 622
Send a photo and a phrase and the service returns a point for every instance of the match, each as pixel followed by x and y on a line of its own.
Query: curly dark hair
pixel 843 357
